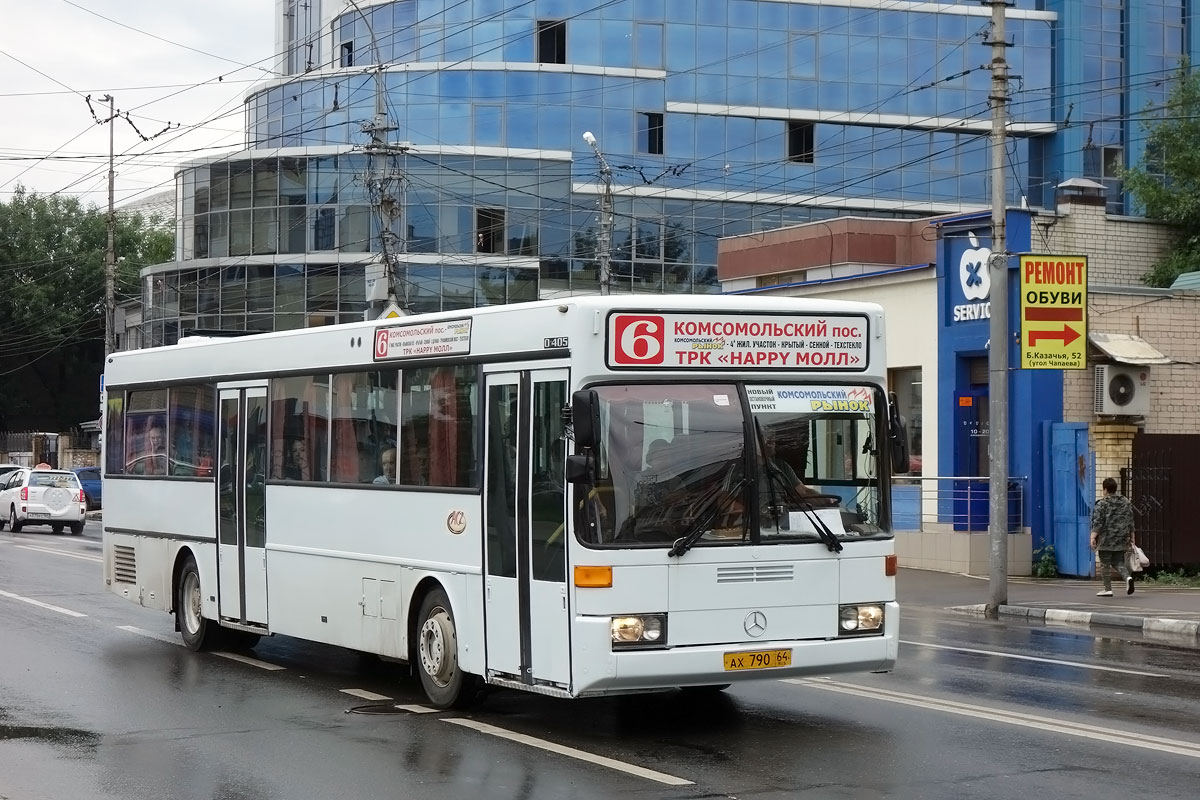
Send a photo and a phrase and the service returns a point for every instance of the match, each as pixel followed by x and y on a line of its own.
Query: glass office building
pixel 717 117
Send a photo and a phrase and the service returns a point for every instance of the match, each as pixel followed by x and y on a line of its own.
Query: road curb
pixel 1176 627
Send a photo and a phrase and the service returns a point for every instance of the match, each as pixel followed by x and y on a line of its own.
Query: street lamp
pixel 606 212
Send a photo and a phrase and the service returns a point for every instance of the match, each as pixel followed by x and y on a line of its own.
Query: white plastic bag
pixel 1142 561
pixel 1136 559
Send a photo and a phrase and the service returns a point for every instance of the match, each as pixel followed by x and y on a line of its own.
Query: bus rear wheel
pixel 443 680
pixel 198 633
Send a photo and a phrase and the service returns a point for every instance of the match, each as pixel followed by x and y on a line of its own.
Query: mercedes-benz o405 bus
pixel 596 496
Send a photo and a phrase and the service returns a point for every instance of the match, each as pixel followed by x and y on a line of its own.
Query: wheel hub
pixel 437 658
pixel 191 604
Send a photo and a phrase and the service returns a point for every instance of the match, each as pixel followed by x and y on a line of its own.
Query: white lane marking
pixel 254 662
pixel 40 604
pixel 58 552
pixel 418 709
pixel 1033 658
pixel 619 766
pixel 1022 719
pixel 363 694
pixel 150 635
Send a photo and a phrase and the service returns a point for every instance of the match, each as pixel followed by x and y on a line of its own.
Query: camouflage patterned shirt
pixel 1112 520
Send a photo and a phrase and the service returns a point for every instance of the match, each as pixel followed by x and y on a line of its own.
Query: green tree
pixel 1167 182
pixel 52 303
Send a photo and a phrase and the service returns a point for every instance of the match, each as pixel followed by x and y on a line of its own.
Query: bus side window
pixel 299 428
pixel 437 420
pixel 364 428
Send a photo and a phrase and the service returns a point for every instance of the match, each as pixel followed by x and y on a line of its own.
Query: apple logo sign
pixel 973 270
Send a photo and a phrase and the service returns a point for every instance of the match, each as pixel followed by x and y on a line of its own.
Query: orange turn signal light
pixel 593 577
pixel 889 565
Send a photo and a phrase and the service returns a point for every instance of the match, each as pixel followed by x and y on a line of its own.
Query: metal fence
pixel 29 448
pixel 938 503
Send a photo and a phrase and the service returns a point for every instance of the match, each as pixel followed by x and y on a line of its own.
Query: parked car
pixel 51 497
pixel 6 469
pixel 89 478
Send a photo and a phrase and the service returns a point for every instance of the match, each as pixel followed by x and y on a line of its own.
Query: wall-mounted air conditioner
pixel 1122 390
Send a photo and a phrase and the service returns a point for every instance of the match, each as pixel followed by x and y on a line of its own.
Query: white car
pixel 51 497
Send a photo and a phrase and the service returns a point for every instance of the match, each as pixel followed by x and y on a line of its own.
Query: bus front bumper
pixel 599 670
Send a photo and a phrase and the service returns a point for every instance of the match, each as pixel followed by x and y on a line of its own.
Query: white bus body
pixel 476 560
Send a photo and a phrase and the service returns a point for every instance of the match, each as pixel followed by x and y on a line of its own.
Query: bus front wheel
pixel 198 633
pixel 444 682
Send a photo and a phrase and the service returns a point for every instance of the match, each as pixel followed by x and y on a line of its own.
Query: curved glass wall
pixel 715 118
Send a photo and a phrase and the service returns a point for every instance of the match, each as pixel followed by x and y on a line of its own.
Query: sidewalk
pixel 1155 610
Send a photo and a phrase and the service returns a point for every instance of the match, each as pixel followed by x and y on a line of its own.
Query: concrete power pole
pixel 380 180
pixel 606 216
pixel 110 252
pixel 998 330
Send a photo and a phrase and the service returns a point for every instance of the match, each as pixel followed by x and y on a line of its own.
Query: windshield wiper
pixel 713 508
pixel 827 536
pixel 775 478
pixel 774 475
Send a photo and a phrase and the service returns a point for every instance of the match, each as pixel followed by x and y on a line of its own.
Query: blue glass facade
pixel 719 117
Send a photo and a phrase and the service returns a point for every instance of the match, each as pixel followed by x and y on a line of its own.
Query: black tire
pixel 198 633
pixel 77 529
pixel 14 524
pixel 58 529
pixel 3 522
pixel 436 662
pixel 88 503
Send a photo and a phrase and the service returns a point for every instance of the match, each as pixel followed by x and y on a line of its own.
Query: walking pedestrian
pixel 1112 536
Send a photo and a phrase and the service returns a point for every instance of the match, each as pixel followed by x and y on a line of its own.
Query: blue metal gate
pixel 1072 479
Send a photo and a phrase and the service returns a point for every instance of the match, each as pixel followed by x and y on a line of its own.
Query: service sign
pixel 811 399
pixel 725 341
pixel 1053 312
pixel 423 340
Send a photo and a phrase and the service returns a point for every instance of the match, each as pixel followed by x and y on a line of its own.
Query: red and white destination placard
pixel 423 340
pixel 715 341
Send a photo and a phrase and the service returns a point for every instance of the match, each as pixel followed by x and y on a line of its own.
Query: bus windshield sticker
pixel 811 399
pixel 423 340
pixel 712 341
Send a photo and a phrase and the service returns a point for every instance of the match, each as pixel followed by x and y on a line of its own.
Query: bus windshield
pixel 673 463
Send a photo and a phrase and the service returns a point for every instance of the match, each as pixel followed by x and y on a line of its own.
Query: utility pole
pixel 606 216
pixel 998 330
pixel 380 180
pixel 110 252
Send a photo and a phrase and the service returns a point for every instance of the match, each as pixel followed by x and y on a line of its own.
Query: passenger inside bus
pixel 153 458
pixel 295 461
pixel 387 467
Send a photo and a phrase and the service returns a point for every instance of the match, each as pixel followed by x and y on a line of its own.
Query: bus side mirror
pixel 898 437
pixel 579 468
pixel 585 414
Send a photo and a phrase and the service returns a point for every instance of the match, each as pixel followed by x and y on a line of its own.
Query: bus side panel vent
pixel 756 573
pixel 124 564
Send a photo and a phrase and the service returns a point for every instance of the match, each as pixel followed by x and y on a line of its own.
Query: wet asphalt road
pixel 95 706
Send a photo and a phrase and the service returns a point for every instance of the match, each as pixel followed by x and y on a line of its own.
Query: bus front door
pixel 241 506
pixel 525 588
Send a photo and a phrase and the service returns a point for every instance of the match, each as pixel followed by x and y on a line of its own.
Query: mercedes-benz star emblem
pixel 756 623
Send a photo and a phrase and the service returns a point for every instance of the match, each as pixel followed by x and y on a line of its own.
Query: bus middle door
pixel 524 509
pixel 241 506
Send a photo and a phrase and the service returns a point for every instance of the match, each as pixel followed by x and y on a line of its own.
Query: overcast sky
pixel 155 81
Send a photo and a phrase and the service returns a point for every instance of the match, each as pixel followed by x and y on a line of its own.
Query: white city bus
pixel 595 496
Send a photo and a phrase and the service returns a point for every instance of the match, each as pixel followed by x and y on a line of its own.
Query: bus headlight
pixel 860 619
pixel 643 630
